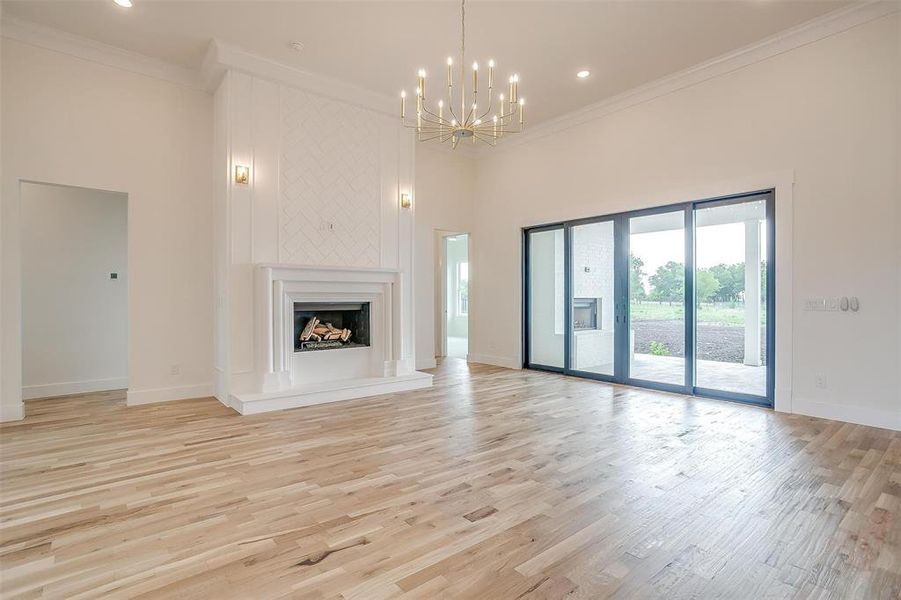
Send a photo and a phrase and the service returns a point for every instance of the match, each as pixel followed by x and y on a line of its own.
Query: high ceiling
pixel 379 45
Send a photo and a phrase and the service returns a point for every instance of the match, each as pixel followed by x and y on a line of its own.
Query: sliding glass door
pixel 545 301
pixel 657 298
pixel 732 287
pixel 678 298
pixel 592 298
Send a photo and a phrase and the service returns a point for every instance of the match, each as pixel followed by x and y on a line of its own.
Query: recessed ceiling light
pixel 123 3
pixel 583 74
pixel 296 46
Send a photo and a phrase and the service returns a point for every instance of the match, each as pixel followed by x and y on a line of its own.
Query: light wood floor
pixel 493 484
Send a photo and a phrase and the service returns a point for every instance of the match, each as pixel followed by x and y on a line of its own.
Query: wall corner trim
pixel 11 412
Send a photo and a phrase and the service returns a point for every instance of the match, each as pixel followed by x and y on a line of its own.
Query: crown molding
pixel 87 49
pixel 801 35
pixel 223 56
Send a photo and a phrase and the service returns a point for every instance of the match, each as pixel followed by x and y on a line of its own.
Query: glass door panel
pixel 546 300
pixel 656 339
pixel 731 297
pixel 592 346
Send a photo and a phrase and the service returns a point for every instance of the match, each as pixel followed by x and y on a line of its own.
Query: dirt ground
pixel 722 343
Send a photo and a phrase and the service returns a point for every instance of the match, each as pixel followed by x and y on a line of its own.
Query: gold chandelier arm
pixel 490 103
pixel 424 119
pixel 440 120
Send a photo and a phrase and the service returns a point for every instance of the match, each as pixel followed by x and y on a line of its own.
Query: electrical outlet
pixel 175 369
pixel 820 382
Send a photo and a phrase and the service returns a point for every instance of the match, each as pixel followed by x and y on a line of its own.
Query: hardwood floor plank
pixel 492 484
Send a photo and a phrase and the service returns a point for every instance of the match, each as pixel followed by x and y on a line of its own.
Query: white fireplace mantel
pixel 286 379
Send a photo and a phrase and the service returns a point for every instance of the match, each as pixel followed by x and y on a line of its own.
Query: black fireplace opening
pixel 585 313
pixel 330 325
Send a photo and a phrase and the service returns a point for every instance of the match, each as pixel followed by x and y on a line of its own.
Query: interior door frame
pixel 442 289
pixel 622 317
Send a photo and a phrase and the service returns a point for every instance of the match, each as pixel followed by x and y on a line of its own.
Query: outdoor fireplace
pixel 585 313
pixel 330 325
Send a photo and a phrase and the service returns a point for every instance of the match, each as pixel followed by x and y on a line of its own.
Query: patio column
pixel 752 292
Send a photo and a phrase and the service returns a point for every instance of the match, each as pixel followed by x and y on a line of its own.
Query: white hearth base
pixel 327 391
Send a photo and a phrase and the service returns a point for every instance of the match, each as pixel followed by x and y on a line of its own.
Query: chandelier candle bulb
pixel 422 82
pixel 490 75
pixel 522 102
pixel 403 104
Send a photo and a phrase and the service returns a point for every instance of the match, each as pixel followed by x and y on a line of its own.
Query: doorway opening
pixel 679 298
pixel 74 290
pixel 455 296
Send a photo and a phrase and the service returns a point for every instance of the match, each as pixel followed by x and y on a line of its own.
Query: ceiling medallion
pixel 444 124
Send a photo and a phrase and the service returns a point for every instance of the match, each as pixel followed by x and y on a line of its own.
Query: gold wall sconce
pixel 406 201
pixel 242 174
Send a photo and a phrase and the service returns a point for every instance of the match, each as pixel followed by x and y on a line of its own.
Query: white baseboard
pixel 328 391
pixel 12 412
pixel 184 392
pixel 426 363
pixel 874 417
pixel 497 361
pixel 50 390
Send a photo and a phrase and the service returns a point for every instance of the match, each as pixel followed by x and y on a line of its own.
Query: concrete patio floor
pixel 729 377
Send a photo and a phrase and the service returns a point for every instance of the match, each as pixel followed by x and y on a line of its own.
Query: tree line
pixel 720 283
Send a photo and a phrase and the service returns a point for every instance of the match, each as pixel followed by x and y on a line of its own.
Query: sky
pixel 715 244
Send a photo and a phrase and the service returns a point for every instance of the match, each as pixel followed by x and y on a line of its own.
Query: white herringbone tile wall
pixel 330 182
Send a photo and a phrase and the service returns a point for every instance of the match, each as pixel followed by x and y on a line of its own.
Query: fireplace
pixel 585 313
pixel 331 325
pixel 371 338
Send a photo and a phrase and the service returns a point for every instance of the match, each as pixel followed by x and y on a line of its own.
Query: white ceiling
pixel 379 45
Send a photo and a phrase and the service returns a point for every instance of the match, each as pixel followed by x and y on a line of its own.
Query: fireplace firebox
pixel 585 313
pixel 330 325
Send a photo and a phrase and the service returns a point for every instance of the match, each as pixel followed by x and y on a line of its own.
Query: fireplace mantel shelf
pixel 289 267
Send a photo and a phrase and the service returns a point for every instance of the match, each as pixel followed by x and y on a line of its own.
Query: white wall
pixel 445 191
pixel 75 122
pixel 74 316
pixel 827 111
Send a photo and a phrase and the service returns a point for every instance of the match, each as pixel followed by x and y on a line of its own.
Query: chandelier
pixel 444 124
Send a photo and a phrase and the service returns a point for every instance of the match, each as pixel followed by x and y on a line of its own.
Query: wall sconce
pixel 242 174
pixel 406 201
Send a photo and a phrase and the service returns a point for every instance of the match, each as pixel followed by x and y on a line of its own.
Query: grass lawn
pixel 720 314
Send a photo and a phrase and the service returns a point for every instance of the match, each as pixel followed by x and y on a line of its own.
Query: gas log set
pixel 317 331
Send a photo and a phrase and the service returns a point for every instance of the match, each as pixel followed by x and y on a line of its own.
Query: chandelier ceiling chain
pixel 433 125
